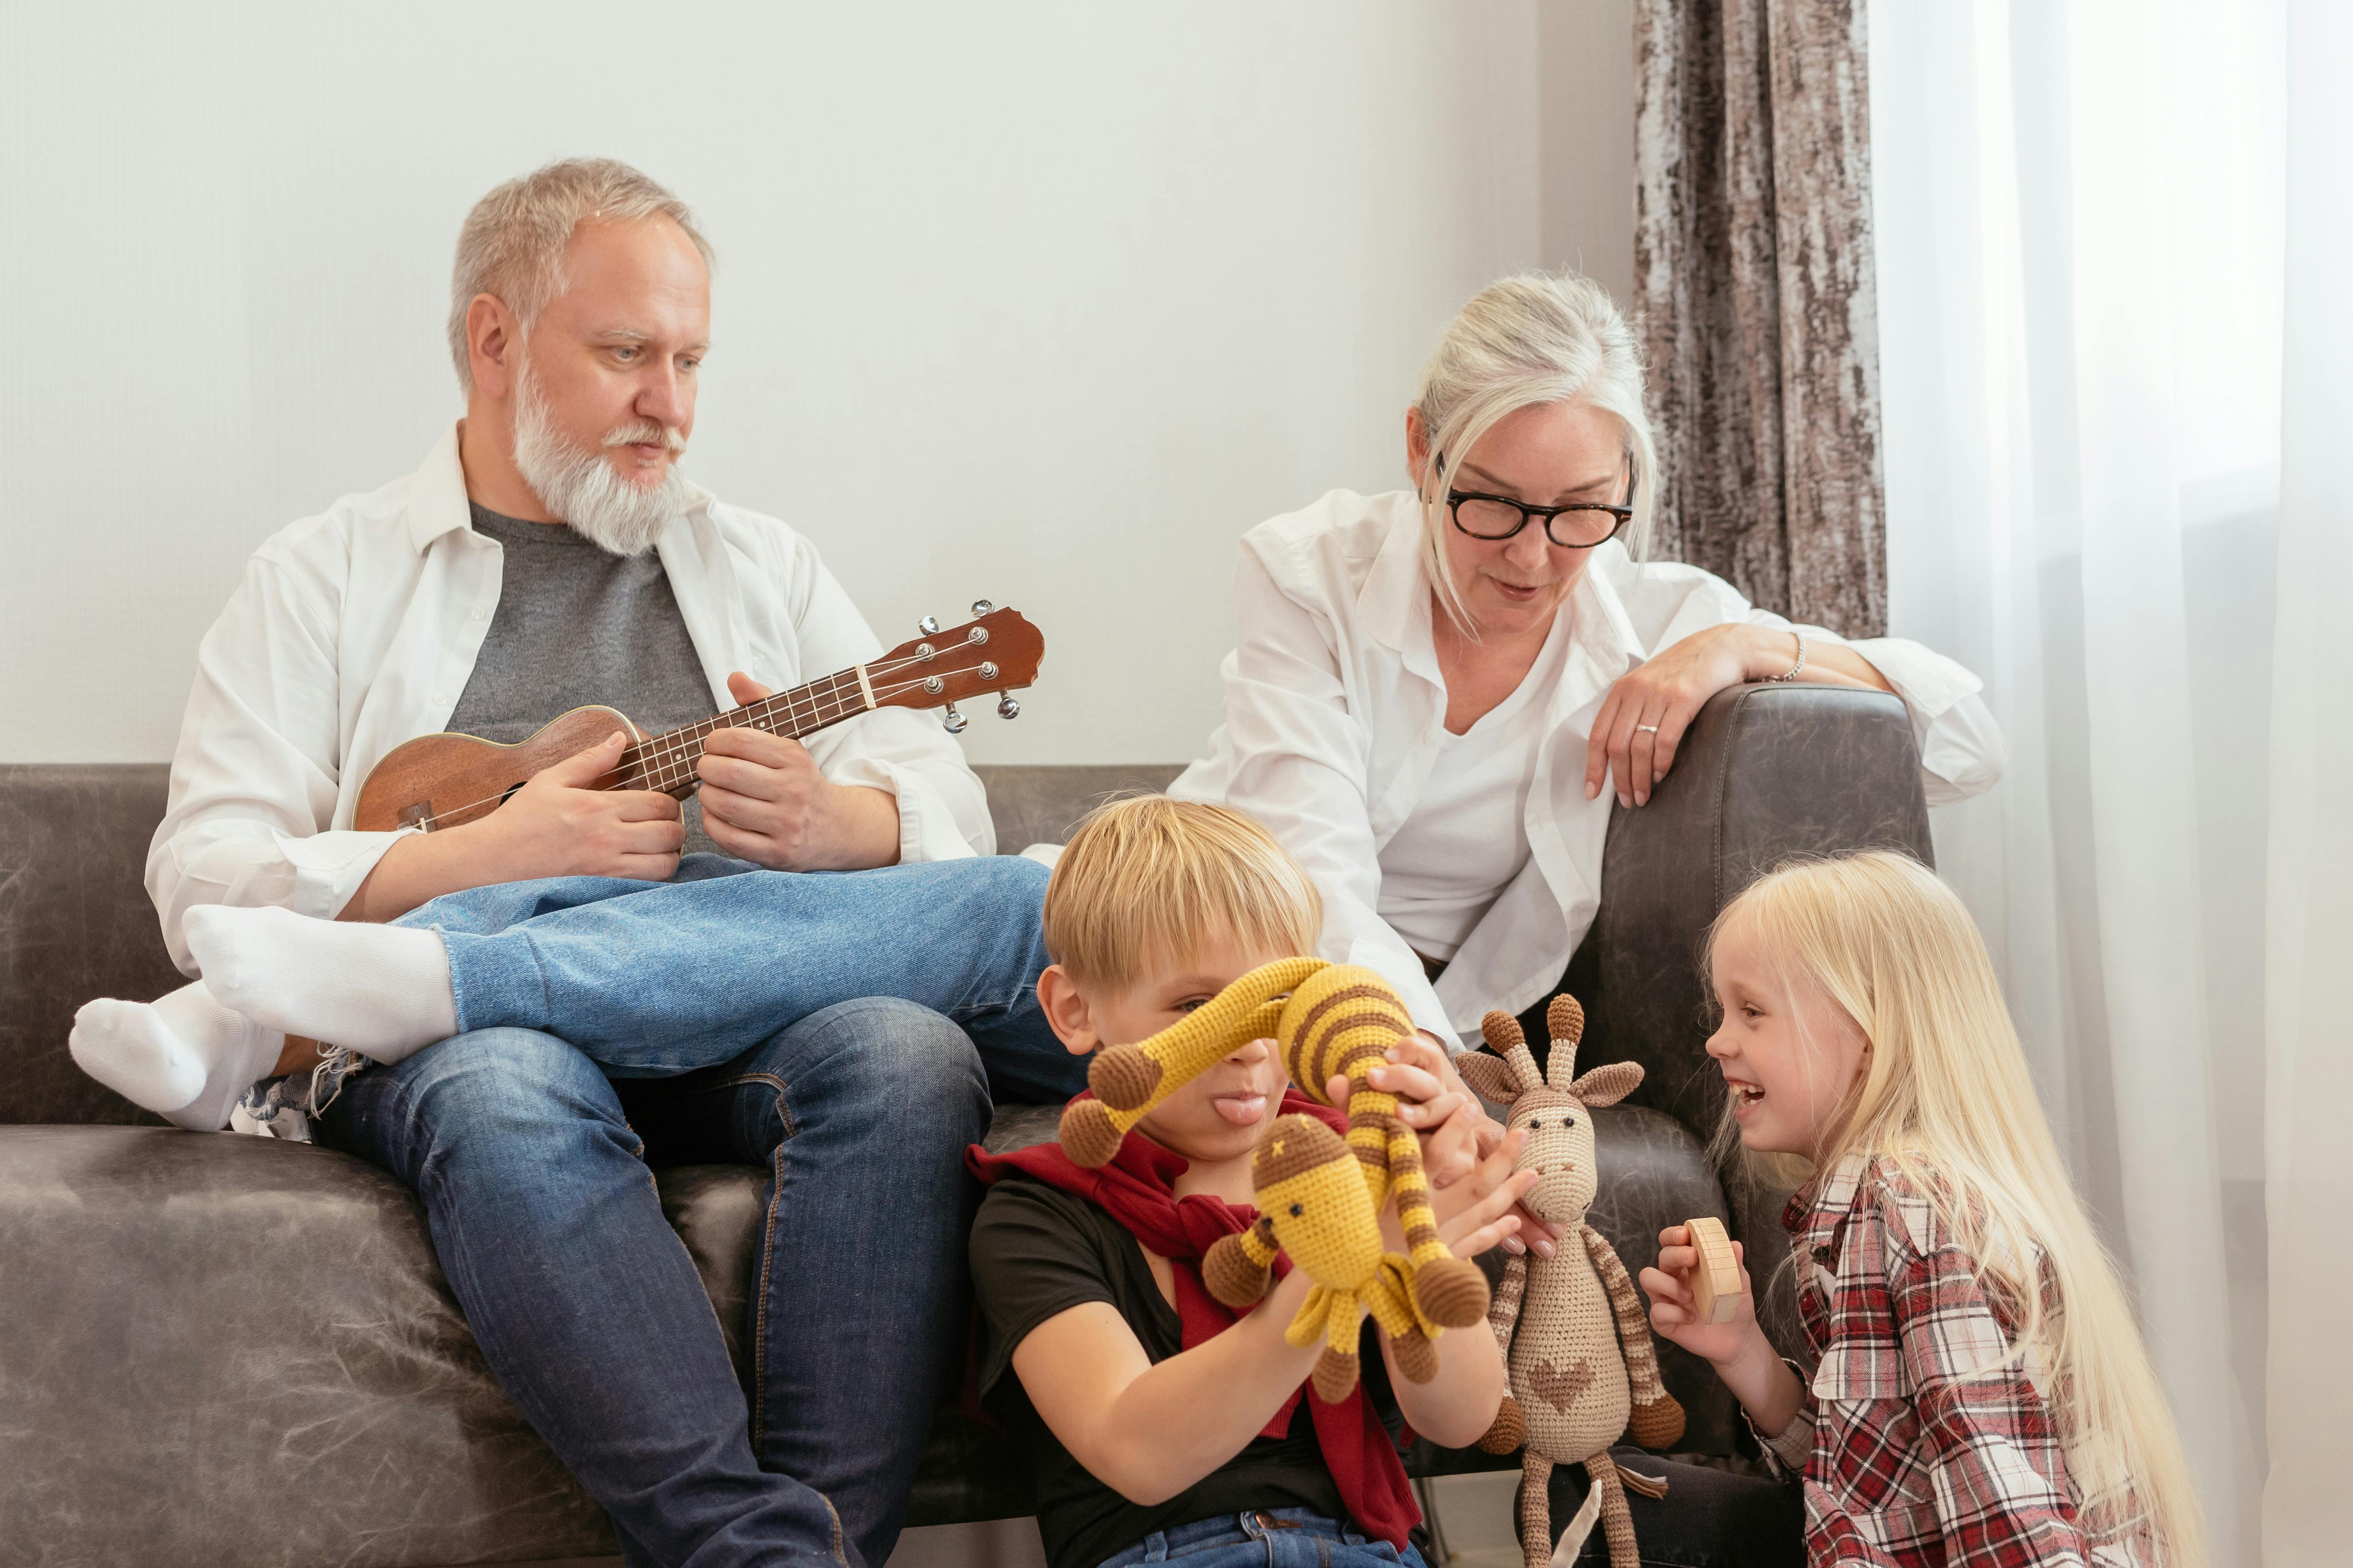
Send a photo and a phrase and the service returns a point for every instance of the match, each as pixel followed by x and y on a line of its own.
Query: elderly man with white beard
pixel 548 555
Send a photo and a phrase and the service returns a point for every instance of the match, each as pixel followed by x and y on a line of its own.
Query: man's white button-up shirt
pixel 356 630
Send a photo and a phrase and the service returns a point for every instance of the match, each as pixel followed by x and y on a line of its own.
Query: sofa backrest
pixel 1765 772
pixel 76 922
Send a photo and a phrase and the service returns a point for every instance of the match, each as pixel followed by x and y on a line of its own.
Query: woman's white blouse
pixel 1336 720
pixel 1445 865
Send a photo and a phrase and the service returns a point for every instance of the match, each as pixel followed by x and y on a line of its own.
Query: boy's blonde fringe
pixel 1147 879
pixel 1947 1100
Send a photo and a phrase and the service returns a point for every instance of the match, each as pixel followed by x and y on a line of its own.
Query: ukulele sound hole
pixel 511 792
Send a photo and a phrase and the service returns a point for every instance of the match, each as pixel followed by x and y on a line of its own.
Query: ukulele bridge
pixel 420 814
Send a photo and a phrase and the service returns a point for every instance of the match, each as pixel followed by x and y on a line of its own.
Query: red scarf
pixel 1136 1190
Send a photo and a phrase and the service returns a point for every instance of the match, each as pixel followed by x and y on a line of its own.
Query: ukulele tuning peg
pixel 1006 707
pixel 929 625
pixel 981 607
pixel 954 722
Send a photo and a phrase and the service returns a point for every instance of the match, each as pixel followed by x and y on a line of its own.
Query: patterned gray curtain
pixel 1753 276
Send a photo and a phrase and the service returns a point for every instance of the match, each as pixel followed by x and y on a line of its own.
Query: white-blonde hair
pixel 1147 879
pixel 1537 338
pixel 511 245
pixel 1946 1099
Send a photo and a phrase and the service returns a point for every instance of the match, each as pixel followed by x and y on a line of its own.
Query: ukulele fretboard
pixel 667 762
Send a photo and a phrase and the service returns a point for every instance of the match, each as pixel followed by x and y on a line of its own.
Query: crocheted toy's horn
pixel 1129 1081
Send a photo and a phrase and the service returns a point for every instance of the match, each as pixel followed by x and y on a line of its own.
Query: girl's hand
pixel 1674 1313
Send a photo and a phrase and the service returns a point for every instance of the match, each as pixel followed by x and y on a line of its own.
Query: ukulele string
pixel 669 750
pixel 673 756
pixel 676 750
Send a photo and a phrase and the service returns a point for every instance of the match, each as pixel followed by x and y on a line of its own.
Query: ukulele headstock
pixel 996 651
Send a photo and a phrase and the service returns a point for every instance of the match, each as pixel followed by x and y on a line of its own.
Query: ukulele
pixel 442 780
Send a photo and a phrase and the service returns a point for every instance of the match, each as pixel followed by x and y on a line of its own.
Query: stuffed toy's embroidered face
pixel 1559 1150
pixel 1221 1114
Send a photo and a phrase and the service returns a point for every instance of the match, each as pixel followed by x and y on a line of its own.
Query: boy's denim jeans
pixel 823 1027
pixel 1268 1538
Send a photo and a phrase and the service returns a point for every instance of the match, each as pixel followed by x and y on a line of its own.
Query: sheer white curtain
pixel 2082 216
pixel 2308 1170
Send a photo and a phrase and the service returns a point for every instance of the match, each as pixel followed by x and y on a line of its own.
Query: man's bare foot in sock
pixel 382 991
pixel 185 1056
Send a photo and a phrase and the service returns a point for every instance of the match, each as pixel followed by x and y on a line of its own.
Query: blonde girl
pixel 1981 1394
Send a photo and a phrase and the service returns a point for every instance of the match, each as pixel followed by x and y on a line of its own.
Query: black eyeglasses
pixel 1587 524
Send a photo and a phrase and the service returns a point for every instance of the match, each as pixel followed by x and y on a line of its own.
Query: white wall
pixel 1040 303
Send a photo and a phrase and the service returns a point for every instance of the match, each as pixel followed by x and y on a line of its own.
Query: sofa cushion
pixel 224 1349
pixel 74 924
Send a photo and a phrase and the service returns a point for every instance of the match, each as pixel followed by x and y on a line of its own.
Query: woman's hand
pixel 1433 1100
pixel 1482 1209
pixel 1456 1132
pixel 1643 718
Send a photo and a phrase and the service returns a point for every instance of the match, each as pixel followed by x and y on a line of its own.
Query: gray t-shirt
pixel 575 625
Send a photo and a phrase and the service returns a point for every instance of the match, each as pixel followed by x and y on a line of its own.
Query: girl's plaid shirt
pixel 1909 1451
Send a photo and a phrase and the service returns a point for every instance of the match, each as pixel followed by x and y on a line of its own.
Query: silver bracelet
pixel 1801 665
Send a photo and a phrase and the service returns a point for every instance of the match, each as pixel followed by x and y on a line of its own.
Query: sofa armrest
pixel 1766 773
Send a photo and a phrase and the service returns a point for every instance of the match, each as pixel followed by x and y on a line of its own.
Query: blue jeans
pixel 532 1159
pixel 1269 1537
pixel 655 978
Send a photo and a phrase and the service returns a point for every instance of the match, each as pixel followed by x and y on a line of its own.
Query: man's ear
pixel 1067 1013
pixel 493 346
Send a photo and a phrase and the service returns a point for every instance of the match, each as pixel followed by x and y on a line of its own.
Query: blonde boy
pixel 1156 1423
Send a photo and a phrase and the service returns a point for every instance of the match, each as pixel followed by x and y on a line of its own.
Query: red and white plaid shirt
pixel 1909 1455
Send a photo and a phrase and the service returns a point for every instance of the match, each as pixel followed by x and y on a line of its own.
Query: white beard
pixel 579 485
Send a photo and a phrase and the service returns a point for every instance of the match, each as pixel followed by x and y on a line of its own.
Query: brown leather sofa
pixel 223 1349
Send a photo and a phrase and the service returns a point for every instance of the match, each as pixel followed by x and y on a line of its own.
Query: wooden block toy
pixel 1715 1277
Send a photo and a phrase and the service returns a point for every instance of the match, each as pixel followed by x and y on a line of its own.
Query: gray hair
pixel 512 246
pixel 1537 338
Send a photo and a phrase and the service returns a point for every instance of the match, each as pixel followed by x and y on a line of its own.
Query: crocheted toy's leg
pixel 1536 1510
pixel 1616 1523
pixel 1236 1267
pixel 1336 1369
pixel 1510 1428
pixel 1386 1299
pixel 1450 1290
pixel 1657 1416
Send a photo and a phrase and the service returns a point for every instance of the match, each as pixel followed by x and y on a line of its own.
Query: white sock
pixel 382 991
pixel 185 1057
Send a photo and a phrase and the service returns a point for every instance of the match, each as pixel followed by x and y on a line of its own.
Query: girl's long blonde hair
pixel 1946 1099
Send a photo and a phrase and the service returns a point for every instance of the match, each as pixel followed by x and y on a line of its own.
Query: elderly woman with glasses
pixel 1437 690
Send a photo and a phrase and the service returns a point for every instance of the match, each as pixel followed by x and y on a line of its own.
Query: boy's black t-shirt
pixel 1037 1251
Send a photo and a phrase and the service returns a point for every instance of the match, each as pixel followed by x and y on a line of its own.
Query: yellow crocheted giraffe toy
pixel 1313 1205
pixel 1327 1021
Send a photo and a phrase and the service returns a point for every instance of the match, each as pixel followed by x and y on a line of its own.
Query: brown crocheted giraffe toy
pixel 1573 1330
